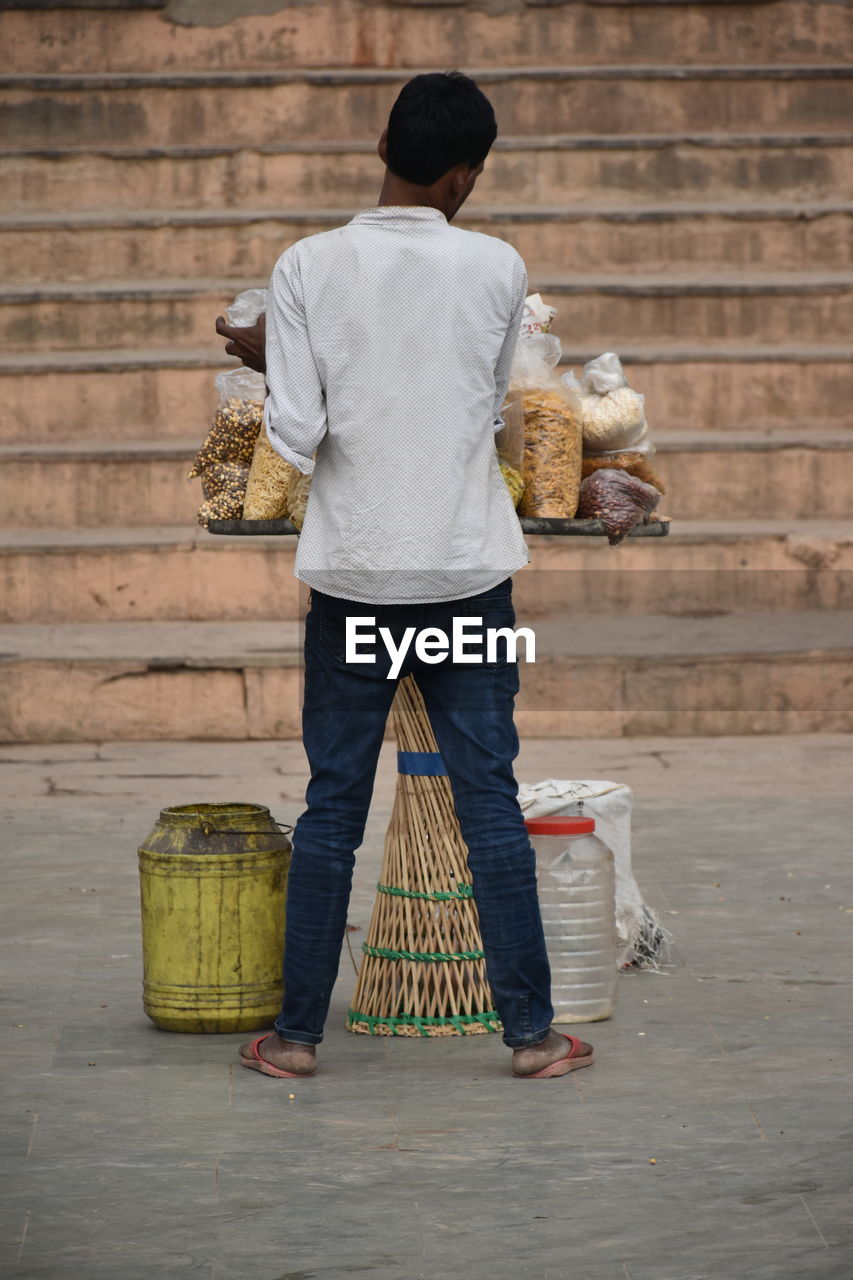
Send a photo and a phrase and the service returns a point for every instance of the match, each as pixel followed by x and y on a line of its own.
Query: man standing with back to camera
pixel 387 354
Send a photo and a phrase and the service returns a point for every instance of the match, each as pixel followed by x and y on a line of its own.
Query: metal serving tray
pixel 564 528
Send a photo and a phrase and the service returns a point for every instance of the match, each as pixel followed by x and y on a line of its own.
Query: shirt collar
pixel 400 213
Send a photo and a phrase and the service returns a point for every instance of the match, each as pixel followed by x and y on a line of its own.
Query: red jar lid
pixel 576 826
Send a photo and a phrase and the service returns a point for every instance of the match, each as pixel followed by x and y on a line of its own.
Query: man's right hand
pixel 247 344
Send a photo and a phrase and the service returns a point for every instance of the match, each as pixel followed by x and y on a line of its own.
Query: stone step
pixel 704 568
pixel 709 476
pixel 608 310
pixel 781 672
pixel 169 393
pixel 254 107
pixel 543 170
pixel 672 237
pixel 759 307
pixel 344 33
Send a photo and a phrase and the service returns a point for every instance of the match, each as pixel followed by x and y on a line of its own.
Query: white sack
pixel 642 940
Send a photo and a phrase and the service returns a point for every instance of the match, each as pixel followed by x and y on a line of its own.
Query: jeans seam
pixel 296 1037
pixel 526 1042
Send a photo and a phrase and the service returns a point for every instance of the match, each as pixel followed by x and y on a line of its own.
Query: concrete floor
pixel 712 1140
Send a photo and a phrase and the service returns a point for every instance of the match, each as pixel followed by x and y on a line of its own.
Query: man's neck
pixel 406 194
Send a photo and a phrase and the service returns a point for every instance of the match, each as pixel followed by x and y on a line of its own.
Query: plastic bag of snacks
pixel 635 462
pixel 509 442
pixel 613 416
pixel 619 500
pixel 236 421
pixel 225 456
pixel 275 490
pixel 230 440
pixel 552 436
pixel 613 421
pixel 270 477
pixel 297 497
pixel 223 485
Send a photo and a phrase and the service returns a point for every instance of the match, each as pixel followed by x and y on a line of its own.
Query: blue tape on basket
pixel 424 764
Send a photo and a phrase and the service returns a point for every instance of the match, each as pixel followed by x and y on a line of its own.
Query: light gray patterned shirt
pixel 389 343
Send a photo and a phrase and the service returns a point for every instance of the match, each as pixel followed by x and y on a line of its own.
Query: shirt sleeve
pixel 504 360
pixel 295 407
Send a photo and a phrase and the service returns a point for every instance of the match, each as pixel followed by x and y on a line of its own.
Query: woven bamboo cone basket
pixel 423 972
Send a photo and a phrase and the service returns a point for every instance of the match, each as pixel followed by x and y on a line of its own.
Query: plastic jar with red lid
pixel 577 894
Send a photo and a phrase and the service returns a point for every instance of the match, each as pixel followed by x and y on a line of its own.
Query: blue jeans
pixel 343 718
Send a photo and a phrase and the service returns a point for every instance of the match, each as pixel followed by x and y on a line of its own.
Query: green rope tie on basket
pixel 384 953
pixel 460 1022
pixel 462 892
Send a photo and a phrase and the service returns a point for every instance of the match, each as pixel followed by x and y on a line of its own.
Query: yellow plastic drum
pixel 213 879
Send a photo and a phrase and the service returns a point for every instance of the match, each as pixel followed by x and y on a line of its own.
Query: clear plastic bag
pixel 270 477
pixel 571 384
pixel 604 374
pixel 236 422
pixel 230 440
pixel 223 485
pixel 619 500
pixel 635 462
pixel 509 442
pixel 612 415
pixel 246 308
pixel 297 498
pixel 552 435
pixel 613 421
pixel 225 457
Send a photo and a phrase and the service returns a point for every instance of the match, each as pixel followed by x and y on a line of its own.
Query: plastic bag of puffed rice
pixel 613 421
pixel 612 414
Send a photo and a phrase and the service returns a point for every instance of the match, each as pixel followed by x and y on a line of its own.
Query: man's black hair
pixel 439 120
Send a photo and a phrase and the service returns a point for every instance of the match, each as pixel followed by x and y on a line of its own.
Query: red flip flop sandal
pixel 574 1058
pixel 257 1063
